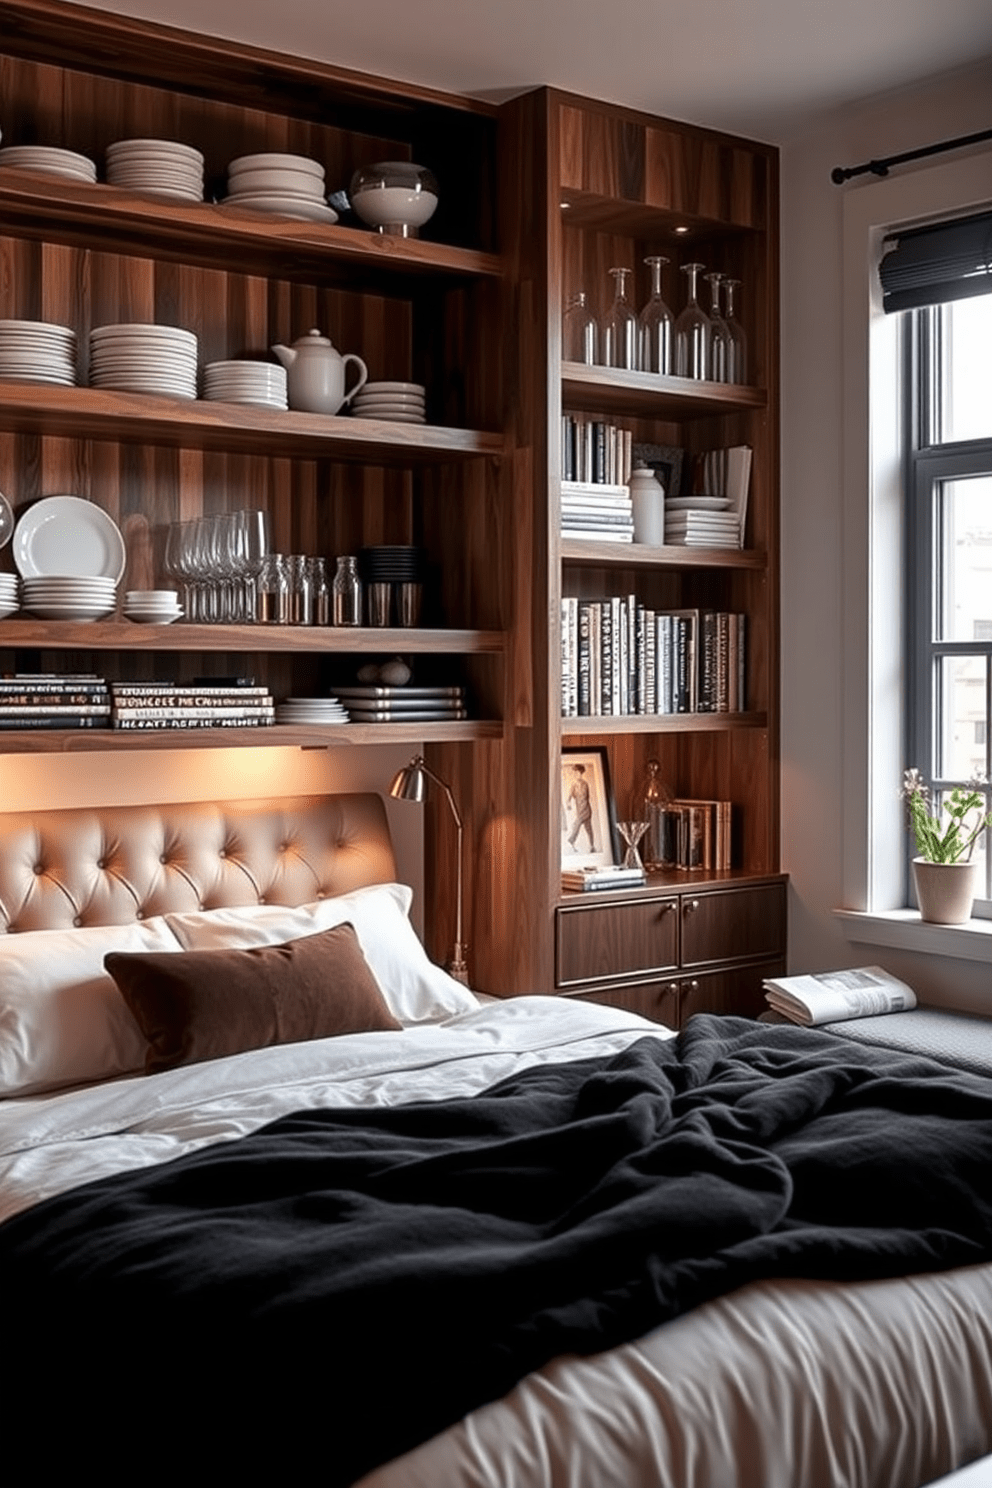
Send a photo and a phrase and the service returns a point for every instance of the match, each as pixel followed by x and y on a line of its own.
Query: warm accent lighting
pixel 410 784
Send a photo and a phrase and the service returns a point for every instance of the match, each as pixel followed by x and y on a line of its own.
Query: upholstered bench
pixel 959 1039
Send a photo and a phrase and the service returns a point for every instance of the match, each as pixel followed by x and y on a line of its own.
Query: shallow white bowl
pixel 394 206
pixel 275 161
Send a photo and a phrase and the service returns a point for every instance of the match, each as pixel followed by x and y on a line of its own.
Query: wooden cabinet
pixel 425 309
pixel 667 955
pixel 538 197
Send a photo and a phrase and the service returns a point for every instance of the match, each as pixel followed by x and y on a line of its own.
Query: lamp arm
pixel 459 948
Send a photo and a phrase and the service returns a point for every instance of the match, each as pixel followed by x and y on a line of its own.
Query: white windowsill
pixel 903 929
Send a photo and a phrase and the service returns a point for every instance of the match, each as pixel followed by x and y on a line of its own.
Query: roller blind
pixel 931 265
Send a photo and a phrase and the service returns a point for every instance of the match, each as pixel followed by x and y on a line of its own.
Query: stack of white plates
pixel 161 167
pixel 70 597
pixel 152 606
pixel 399 402
pixel 50 161
pixel 31 351
pixel 144 359
pixel 8 594
pixel 286 185
pixel 246 382
pixel 310 710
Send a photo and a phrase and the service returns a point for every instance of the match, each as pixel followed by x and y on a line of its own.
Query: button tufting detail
pixel 38 869
pixel 77 921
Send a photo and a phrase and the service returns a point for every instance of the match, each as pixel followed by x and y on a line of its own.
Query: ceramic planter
pixel 945 892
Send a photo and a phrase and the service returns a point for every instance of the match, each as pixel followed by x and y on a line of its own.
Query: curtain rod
pixel 841 173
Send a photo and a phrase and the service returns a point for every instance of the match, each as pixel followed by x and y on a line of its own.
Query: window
pixel 948 378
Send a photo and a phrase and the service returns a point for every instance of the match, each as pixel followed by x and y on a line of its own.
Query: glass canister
pixel 273 590
pixel 301 592
pixel 347 593
pixel 321 591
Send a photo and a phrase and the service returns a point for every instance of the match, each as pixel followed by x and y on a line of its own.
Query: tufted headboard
pixel 110 865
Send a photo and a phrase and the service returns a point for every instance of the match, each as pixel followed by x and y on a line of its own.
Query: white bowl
pixel 304 183
pixel 394 207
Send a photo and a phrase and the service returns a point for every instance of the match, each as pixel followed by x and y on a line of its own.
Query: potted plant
pixel 944 872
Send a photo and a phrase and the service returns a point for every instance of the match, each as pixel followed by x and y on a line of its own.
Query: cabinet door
pixel 658 1001
pixel 614 942
pixel 738 990
pixel 733 924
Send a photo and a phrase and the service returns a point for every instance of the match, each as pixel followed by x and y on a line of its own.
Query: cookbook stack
pixel 50 700
pixel 169 705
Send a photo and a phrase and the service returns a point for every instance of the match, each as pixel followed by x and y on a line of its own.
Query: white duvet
pixel 780 1385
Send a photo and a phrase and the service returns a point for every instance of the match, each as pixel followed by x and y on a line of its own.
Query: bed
pixel 883 1382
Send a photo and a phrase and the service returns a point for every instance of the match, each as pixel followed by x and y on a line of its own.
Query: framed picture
pixel 589 836
pixel 665 461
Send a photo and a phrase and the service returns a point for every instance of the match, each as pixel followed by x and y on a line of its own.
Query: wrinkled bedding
pixel 373 1276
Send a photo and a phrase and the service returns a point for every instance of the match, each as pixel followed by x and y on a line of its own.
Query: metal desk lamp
pixel 410 784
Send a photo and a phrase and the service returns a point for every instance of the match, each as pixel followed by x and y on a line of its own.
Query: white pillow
pixel 62 1019
pixel 415 990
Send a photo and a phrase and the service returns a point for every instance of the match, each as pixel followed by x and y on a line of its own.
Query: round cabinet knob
pixel 689 906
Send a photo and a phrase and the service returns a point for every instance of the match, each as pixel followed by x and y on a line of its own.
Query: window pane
pixel 962 750
pixel 964 608
pixel 966 340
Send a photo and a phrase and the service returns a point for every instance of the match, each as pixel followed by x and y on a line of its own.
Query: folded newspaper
pixel 830 996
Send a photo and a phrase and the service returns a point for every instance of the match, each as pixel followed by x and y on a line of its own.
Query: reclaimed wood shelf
pixel 578 552
pixel 306 736
pixel 27 633
pixel 593 726
pixel 232 428
pixel 614 390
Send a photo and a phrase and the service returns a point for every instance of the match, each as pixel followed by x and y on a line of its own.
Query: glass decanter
pixel 346 593
pixel 656 322
pixel 579 331
pixel 737 369
pixel 619 338
pixel 720 342
pixel 692 331
pixel 652 804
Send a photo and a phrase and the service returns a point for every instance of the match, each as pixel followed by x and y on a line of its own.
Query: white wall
pixel 813 491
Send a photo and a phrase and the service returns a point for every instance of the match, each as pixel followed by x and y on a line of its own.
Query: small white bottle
pixel 647 496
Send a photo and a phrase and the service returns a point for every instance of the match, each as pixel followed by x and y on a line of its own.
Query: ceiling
pixel 752 67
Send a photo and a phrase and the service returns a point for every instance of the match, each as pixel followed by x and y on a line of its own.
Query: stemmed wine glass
pixel 656 323
pixel 632 832
pixel 737 370
pixel 257 546
pixel 580 333
pixel 619 339
pixel 720 342
pixel 692 332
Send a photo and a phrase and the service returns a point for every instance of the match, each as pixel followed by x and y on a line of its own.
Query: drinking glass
pixel 632 832
pixel 656 322
pixel 692 331
pixel 720 342
pixel 619 339
pixel 257 546
pixel 580 333
pixel 737 371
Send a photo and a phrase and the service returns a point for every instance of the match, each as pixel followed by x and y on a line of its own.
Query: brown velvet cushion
pixel 196 1005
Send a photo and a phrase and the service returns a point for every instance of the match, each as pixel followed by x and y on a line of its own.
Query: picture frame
pixel 589 837
pixel 665 460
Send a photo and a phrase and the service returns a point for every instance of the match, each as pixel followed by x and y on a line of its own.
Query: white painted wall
pixel 817 697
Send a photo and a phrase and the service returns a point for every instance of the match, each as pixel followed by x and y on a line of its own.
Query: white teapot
pixel 315 374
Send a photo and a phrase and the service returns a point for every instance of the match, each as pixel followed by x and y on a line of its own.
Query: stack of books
pixel 595 451
pixel 598 880
pixel 621 658
pixel 697 835
pixel 169 705
pixel 50 700
pixel 597 512
pixel 715 513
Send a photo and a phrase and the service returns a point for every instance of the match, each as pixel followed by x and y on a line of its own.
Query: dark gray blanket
pixel 344 1284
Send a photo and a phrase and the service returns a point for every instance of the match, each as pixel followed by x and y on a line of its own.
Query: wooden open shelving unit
pixel 539 197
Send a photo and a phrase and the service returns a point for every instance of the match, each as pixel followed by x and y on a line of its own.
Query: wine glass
pixel 737 370
pixel 632 832
pixel 580 333
pixel 619 339
pixel 692 332
pixel 656 322
pixel 257 546
pixel 720 342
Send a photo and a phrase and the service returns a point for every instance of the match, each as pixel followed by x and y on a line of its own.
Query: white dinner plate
pixel 66 535
pixel 301 207
pixel 272 161
pixel 696 503
pixel 395 387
